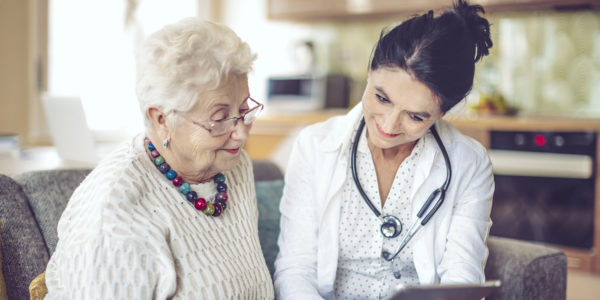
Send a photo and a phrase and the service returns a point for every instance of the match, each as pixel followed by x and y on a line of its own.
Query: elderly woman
pixel 172 213
pixel 359 187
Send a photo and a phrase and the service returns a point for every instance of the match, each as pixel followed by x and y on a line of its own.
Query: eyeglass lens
pixel 249 117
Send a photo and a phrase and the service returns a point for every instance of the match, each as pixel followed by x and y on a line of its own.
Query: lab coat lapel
pixel 329 228
pixel 332 178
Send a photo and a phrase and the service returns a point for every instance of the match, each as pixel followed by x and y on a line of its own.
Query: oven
pixel 544 186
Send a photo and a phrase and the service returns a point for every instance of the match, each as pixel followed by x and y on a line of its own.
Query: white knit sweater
pixel 128 233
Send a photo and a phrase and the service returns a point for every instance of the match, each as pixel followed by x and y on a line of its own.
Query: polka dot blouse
pixel 362 273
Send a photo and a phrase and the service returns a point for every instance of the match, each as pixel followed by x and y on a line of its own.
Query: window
pixel 91 55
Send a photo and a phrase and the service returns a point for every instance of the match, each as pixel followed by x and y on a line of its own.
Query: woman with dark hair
pixel 390 193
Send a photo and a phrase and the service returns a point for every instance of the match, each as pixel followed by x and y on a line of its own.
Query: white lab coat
pixel 451 248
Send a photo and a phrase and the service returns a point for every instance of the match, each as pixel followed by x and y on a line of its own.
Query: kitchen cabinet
pixel 345 9
pixel 313 10
pixel 304 9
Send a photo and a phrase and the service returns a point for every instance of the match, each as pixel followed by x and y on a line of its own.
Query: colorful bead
pixel 221 196
pixel 171 174
pixel 200 204
pixel 192 196
pixel 222 204
pixel 177 181
pixel 219 178
pixel 184 188
pixel 210 209
pixel 164 167
pixel 218 210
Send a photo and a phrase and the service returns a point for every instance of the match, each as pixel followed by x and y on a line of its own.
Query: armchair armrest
pixel 527 270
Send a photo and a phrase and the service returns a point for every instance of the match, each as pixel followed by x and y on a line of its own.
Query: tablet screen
pixel 471 291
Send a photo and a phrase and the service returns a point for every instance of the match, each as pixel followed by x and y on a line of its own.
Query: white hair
pixel 180 61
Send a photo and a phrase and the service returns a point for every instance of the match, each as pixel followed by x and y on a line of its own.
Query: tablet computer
pixel 470 291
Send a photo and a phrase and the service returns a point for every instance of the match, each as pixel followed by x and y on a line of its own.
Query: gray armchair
pixel 527 270
pixel 31 204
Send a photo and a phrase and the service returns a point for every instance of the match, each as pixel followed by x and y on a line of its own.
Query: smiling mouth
pixel 388 135
pixel 232 151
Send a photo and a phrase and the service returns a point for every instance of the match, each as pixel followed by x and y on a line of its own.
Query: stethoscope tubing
pixel 361 126
pixel 439 193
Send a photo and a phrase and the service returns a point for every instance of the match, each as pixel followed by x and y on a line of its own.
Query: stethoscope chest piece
pixel 391 227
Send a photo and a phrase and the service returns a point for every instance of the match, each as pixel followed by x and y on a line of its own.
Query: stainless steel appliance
pixel 544 186
pixel 308 92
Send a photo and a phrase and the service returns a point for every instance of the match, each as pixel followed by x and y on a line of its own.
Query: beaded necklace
pixel 211 209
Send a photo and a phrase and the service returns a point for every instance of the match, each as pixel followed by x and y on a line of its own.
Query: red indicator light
pixel 539 140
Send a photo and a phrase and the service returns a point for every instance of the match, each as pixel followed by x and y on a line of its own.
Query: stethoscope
pixel 391 226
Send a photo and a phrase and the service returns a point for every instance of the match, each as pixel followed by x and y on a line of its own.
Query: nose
pixel 240 130
pixel 392 122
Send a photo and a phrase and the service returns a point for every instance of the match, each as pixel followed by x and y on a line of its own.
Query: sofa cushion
pixel 49 191
pixel 268 194
pixel 24 252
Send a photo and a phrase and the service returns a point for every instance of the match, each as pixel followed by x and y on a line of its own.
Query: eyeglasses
pixel 221 127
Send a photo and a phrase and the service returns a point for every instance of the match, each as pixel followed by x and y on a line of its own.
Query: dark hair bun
pixel 477 26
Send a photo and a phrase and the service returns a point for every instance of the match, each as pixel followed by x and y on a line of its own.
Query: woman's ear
pixel 158 118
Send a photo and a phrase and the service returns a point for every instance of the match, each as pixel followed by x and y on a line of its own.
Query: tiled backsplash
pixel 544 62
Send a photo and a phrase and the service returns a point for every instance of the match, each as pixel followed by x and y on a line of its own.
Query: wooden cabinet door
pixel 305 9
pixel 347 9
pixel 407 6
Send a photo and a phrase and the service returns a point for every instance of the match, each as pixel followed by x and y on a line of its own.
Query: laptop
pixel 471 291
pixel 70 133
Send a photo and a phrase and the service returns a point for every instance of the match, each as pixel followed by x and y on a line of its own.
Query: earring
pixel 166 142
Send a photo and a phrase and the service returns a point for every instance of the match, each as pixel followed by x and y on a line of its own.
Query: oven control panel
pixel 543 141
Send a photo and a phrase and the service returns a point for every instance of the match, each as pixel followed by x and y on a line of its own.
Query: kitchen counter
pixel 274 129
pixel 516 123
pixel 479 126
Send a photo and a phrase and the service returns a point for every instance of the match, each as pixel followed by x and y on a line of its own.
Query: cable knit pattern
pixel 127 233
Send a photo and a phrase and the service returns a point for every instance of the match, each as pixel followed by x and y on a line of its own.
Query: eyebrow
pixel 227 105
pixel 423 114
pixel 380 90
